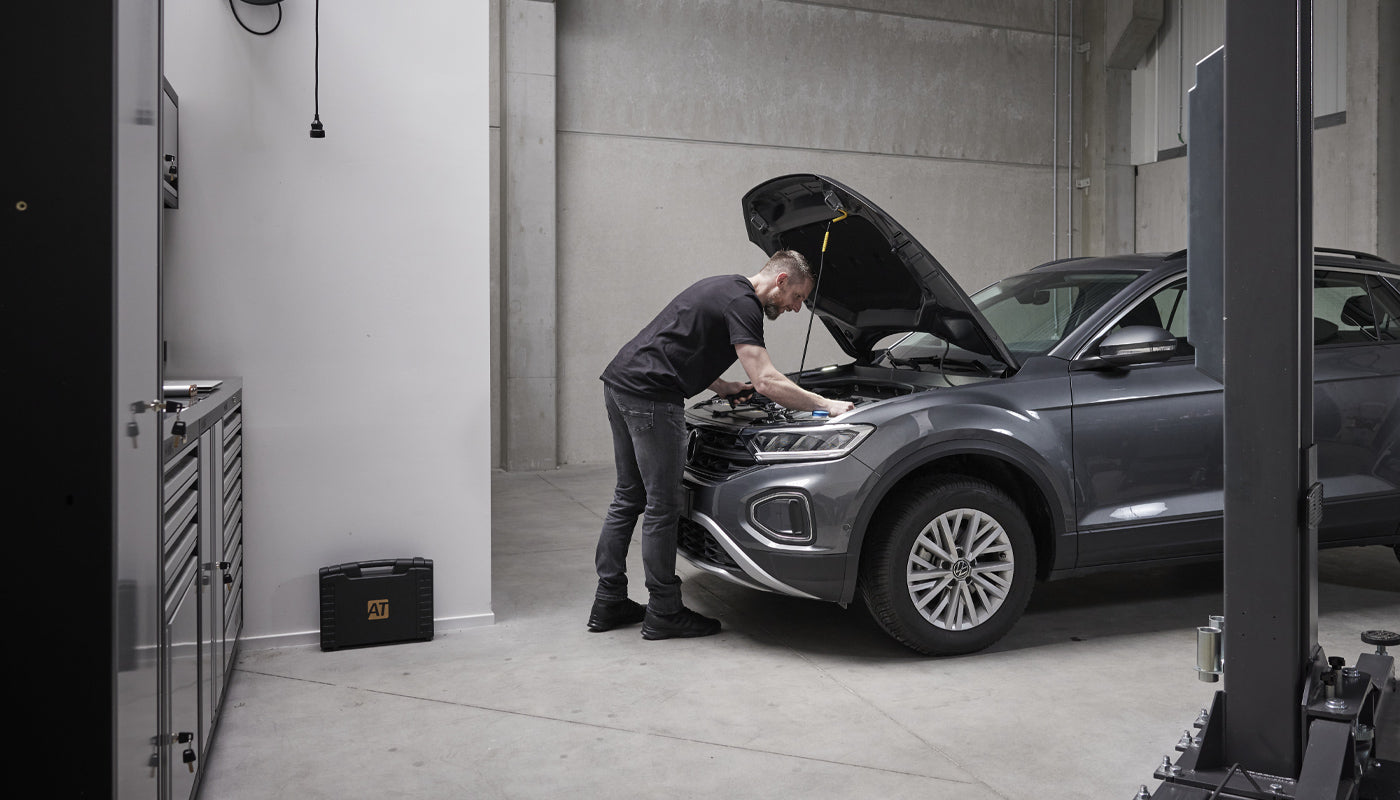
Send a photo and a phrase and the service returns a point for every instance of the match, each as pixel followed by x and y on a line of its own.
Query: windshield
pixel 1033 312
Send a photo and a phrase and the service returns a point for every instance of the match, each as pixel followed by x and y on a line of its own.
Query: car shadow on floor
pixel 1107 604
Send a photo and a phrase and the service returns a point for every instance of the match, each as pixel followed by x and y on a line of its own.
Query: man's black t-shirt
pixel 691 342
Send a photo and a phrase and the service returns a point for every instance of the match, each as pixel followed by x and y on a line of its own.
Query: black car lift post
pixel 1290 722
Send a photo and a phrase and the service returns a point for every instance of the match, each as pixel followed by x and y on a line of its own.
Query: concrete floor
pixel 794 699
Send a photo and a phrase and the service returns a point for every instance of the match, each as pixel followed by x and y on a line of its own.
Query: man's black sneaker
pixel 684 624
pixel 607 615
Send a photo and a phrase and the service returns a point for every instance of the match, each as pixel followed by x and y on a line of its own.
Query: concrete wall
pixel 1160 219
pixel 669 110
pixel 1110 30
pixel 1353 198
pixel 1388 134
pixel 343 279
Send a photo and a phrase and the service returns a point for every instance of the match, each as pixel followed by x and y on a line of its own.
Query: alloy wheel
pixel 960 569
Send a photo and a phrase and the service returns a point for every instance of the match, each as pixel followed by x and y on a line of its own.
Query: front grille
pixel 697 543
pixel 717 454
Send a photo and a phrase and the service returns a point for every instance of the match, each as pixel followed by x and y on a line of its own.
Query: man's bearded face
pixel 786 296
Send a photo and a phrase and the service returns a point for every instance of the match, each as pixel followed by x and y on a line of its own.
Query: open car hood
pixel 876 279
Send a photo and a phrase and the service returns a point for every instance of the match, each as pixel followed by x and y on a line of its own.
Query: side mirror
pixel 1136 344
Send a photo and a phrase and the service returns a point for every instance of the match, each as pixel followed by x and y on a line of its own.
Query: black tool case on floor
pixel 376 602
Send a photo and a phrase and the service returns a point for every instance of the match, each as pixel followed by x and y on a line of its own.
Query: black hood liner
pixel 876 279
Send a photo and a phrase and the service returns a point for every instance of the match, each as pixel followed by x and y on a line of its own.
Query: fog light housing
pixel 783 516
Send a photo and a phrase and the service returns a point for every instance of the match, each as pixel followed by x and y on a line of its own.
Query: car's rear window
pixel 1033 312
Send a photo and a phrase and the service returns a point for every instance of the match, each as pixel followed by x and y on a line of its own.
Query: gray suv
pixel 1049 425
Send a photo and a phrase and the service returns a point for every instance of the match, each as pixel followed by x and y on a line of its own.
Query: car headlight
pixel 807 444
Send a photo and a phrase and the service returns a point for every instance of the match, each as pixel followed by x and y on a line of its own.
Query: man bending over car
pixel 694 339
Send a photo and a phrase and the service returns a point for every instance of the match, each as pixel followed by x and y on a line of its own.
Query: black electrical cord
pixel 232 8
pixel 943 363
pixel 318 131
pixel 1228 775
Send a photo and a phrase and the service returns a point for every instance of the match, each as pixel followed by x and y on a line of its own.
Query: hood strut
pixel 816 289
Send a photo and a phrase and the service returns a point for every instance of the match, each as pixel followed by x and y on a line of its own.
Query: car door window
pixel 1353 308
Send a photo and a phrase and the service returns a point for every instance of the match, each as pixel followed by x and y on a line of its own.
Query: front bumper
pixel 719 535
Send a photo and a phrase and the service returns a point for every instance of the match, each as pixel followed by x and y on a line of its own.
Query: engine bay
pixel 755 409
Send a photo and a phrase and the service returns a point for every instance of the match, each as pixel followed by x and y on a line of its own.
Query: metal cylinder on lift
pixel 1210 650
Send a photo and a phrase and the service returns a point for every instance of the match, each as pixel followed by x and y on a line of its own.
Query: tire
pixel 949 566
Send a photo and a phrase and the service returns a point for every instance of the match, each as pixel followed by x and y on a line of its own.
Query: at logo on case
pixel 379 609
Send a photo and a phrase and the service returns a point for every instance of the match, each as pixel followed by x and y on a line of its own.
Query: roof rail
pixel 1336 251
pixel 1353 253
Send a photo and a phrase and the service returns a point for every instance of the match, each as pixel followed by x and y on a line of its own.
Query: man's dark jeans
pixel 649 451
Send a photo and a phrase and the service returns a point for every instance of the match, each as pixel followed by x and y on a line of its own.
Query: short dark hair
pixel 791 262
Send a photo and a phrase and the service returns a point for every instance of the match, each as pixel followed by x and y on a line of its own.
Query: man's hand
pixel 725 388
pixel 735 392
pixel 838 407
pixel 740 397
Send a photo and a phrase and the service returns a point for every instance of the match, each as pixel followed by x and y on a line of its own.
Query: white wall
pixel 346 280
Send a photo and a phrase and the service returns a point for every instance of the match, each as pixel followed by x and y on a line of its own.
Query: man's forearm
pixel 776 386
pixel 781 390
